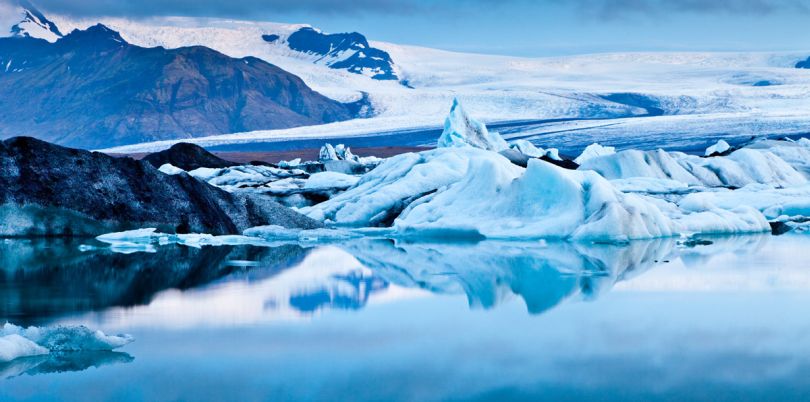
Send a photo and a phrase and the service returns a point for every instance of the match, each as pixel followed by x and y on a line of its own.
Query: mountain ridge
pixel 91 88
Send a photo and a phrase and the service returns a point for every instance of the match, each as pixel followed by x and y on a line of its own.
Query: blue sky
pixel 515 27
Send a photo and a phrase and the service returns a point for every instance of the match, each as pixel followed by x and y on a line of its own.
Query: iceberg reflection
pixel 62 363
pixel 491 272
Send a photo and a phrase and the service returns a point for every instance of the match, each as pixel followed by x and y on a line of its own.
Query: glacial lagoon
pixel 717 318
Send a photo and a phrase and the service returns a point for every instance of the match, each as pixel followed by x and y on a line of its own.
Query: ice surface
pixel 18 342
pixel 461 130
pixel 592 151
pixel 718 148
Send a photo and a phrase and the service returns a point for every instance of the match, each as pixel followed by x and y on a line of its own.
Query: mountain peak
pixel 98 35
pixel 34 24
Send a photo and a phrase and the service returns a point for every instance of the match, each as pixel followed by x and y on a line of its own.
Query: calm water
pixel 376 320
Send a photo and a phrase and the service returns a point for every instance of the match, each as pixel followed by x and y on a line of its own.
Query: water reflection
pixel 62 363
pixel 41 281
pixel 44 279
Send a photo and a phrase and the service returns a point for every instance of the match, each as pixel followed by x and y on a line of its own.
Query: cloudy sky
pixel 518 27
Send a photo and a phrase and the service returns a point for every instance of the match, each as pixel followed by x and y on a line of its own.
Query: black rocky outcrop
pixel 49 190
pixel 187 157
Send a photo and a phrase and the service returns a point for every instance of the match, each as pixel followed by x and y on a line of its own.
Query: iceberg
pixel 461 130
pixel 16 342
pixel 462 192
pixel 740 168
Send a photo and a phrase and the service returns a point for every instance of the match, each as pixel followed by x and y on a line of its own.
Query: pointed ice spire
pixel 460 130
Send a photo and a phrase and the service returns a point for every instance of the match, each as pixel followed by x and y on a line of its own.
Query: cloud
pixel 219 8
pixel 614 9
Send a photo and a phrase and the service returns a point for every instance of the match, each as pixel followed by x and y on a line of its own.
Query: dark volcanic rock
pixel 187 157
pixel 92 89
pixel 352 51
pixel 48 190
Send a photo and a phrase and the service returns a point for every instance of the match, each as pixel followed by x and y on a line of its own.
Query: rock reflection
pixel 44 279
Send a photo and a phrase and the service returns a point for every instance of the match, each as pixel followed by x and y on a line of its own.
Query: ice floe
pixel 17 342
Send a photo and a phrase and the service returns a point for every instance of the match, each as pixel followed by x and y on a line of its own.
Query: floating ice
pixel 718 148
pixel 279 233
pixel 592 151
pixel 144 240
pixel 16 342
pixel 461 130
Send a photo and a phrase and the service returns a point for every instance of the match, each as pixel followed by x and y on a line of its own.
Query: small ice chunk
pixel 718 148
pixel 528 149
pixel 170 169
pixel 290 164
pixel 593 151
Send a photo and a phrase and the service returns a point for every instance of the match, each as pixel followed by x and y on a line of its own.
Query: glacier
pixel 17 342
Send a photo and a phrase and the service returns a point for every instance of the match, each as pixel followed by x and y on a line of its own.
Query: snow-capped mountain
pixel 91 88
pixel 28 21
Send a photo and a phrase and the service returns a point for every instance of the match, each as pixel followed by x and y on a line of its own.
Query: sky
pixel 513 27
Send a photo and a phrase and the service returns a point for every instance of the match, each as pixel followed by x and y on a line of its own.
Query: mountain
pixel 342 51
pixel 92 89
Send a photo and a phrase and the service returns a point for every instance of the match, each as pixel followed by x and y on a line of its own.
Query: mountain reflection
pixel 48 280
